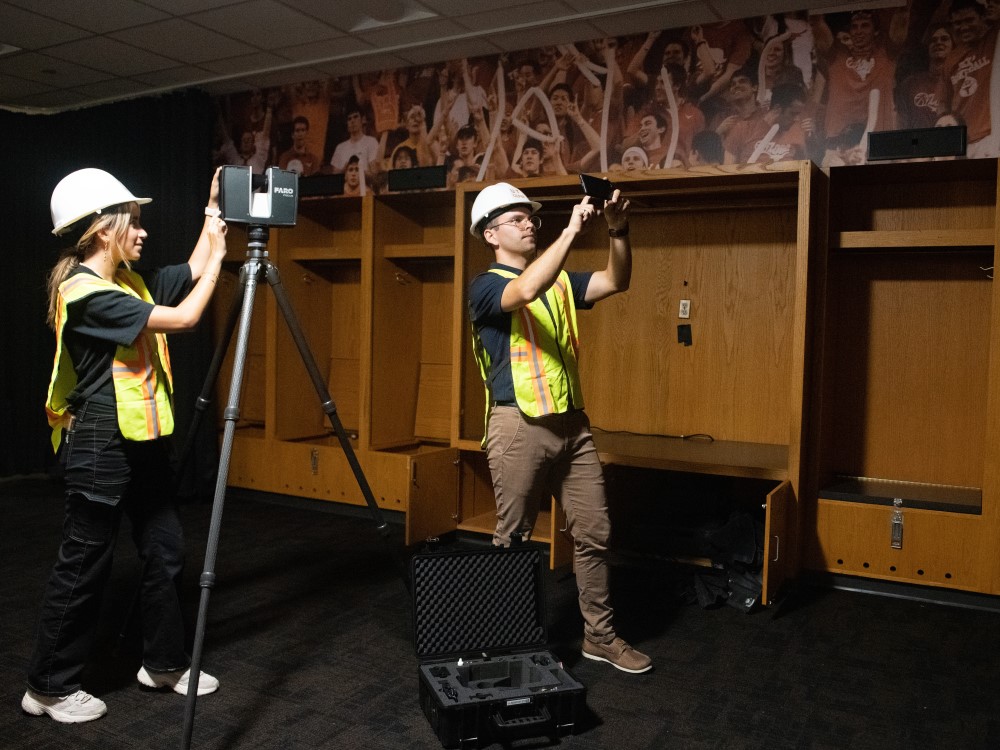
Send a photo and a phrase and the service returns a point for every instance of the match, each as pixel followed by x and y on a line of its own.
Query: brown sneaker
pixel 618 654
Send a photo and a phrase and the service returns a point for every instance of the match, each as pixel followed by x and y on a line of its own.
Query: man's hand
pixel 616 210
pixel 582 213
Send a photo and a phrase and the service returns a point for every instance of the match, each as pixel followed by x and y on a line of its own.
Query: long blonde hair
pixel 115 219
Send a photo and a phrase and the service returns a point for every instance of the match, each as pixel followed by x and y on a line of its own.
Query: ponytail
pixel 116 219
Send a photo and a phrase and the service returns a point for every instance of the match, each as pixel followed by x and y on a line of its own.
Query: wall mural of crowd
pixel 759 90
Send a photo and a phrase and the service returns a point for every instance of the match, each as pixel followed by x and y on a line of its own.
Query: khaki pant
pixel 532 460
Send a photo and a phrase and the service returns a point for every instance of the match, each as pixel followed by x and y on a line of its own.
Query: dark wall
pixel 159 147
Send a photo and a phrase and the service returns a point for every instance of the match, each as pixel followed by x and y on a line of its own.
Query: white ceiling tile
pixel 182 41
pixel 111 56
pixel 529 38
pixel 183 7
pixel 13 87
pixel 282 77
pixel 641 22
pixel 331 49
pixel 350 66
pixel 452 8
pixel 265 24
pixel 405 35
pixel 56 99
pixel 28 30
pixel 98 16
pixel 50 70
pixel 339 15
pixel 181 76
pixel 256 62
pixel 459 48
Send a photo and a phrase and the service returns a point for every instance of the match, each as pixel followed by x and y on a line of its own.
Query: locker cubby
pixel 905 458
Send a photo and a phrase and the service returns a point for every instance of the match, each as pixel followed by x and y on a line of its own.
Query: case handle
pixel 522 720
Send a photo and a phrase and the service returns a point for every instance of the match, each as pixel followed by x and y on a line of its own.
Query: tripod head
pixel 257 236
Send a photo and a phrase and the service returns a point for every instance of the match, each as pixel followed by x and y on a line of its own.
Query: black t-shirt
pixel 493 324
pixel 98 323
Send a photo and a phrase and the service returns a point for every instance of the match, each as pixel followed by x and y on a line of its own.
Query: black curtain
pixel 159 147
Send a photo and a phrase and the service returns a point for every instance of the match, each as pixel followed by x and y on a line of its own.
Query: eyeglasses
pixel 521 222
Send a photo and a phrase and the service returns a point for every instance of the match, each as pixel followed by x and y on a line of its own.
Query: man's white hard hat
pixel 495 200
pixel 85 192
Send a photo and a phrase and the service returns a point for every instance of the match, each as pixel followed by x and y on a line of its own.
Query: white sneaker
pixel 68 709
pixel 178 681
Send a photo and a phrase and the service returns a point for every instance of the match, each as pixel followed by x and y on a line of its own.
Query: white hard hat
pixel 493 201
pixel 85 192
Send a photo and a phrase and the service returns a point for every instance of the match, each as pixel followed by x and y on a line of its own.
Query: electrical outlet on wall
pixel 684 310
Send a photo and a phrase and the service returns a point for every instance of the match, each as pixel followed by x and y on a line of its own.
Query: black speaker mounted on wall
pixel 321 184
pixel 418 178
pixel 917 143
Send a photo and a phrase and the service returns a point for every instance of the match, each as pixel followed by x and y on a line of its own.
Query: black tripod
pixel 256 264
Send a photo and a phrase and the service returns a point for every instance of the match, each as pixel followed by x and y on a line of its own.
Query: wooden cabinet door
pixel 778 540
pixel 433 495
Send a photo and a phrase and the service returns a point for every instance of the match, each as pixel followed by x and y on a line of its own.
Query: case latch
pixel 896 534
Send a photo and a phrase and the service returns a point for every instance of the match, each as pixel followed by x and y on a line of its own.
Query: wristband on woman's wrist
pixel 214 212
pixel 623 232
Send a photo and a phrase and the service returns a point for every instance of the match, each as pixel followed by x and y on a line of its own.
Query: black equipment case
pixel 485 673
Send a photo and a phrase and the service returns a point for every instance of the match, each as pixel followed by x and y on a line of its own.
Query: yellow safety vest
pixel 141 371
pixel 544 350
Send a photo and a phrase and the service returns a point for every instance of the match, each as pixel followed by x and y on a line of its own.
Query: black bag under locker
pixel 485 673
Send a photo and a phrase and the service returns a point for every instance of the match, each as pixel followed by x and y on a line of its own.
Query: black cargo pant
pixel 106 476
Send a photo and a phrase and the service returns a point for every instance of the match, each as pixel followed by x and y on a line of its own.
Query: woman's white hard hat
pixel 495 200
pixel 84 192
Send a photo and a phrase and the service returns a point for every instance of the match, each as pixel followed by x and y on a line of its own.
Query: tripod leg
pixel 329 407
pixel 251 271
pixel 201 405
pixel 208 389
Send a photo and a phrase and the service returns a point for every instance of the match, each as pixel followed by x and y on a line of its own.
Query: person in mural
pixel 358 143
pixel 860 75
pixel 777 66
pixel 459 95
pixel 633 159
pixel 746 117
pixel 404 157
pixel 677 108
pixel 579 143
pixel 352 177
pixel 785 138
pixel 529 162
pixel 650 138
pixel 720 50
pixel 970 78
pixel 300 157
pixel 676 51
pixel 920 96
pixel 254 148
pixel 706 149
pixel 552 163
pixel 417 138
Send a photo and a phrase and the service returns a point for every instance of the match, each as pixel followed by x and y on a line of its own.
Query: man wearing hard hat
pixel 538 440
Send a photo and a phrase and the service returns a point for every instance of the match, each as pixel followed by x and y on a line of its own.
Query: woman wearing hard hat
pixel 110 406
pixel 538 441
